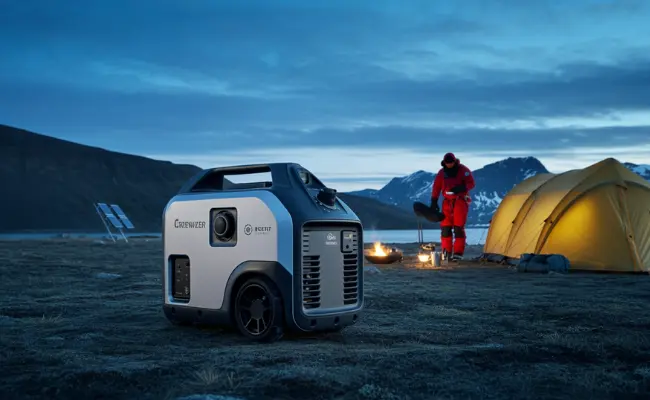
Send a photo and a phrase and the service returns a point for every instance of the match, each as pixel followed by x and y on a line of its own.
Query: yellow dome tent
pixel 597 217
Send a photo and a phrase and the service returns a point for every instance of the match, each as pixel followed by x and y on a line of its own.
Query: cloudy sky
pixel 356 91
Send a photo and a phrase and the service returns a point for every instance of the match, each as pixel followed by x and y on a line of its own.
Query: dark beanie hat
pixel 449 157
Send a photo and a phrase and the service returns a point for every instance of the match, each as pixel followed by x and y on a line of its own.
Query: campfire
pixel 382 255
pixel 379 250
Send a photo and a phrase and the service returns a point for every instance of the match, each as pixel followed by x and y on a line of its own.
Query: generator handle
pixel 213 179
pixel 242 169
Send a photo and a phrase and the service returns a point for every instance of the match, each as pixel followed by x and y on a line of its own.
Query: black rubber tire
pixel 273 328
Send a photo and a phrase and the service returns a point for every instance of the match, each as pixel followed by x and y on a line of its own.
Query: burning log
pixel 381 255
pixel 379 250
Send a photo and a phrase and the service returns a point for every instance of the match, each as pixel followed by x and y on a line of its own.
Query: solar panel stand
pixel 121 215
pixel 119 220
pixel 105 222
pixel 123 236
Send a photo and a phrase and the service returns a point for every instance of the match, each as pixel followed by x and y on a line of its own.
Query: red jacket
pixel 444 182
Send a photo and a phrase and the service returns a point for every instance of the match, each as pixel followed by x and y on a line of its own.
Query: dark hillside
pixel 377 215
pixel 50 184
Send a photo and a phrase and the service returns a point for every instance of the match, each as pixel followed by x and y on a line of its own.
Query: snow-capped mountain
pixel 493 181
pixel 643 170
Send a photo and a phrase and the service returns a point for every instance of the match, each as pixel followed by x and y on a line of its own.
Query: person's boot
pixel 459 243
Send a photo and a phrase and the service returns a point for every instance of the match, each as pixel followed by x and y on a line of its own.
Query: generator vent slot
pixel 351 274
pixel 310 276
pixel 305 242
pixel 311 282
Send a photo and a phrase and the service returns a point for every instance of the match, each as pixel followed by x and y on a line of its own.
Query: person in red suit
pixel 453 181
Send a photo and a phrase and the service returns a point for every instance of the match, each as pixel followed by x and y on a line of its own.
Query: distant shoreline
pixel 78 233
pixel 475 235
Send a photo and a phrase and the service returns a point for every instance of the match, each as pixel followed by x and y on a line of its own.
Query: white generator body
pixel 262 256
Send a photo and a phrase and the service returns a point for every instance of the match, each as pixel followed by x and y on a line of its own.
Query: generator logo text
pixel 258 230
pixel 331 239
pixel 189 224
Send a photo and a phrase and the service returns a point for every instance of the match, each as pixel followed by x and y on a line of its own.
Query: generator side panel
pixel 332 268
pixel 189 238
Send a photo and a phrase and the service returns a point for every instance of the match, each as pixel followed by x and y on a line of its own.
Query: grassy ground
pixel 83 320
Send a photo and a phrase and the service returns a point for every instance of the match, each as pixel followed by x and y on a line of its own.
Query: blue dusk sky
pixel 356 91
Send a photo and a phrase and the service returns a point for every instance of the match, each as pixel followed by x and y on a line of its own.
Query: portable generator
pixel 262 256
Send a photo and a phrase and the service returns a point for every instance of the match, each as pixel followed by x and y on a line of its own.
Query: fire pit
pixel 382 255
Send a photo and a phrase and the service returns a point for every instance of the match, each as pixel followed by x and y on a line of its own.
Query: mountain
pixel 493 181
pixel 50 185
pixel 643 170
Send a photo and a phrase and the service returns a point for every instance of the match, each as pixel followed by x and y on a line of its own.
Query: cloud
pixel 373 168
pixel 572 90
pixel 133 76
pixel 202 78
pixel 582 97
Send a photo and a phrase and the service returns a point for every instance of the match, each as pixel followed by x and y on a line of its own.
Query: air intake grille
pixel 330 267
pixel 310 276
pixel 350 279
pixel 351 275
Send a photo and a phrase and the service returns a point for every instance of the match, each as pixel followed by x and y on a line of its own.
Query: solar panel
pixel 110 216
pixel 122 216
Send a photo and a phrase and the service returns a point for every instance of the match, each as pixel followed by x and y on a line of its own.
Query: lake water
pixel 76 235
pixel 474 235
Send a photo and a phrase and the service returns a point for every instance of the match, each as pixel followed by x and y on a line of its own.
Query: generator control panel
pixel 180 278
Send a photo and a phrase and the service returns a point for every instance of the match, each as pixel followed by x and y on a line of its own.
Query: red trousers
pixel 452 235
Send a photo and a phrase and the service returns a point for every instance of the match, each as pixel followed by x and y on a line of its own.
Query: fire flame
pixel 423 257
pixel 379 250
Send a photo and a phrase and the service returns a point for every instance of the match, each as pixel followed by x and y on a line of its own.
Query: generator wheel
pixel 258 310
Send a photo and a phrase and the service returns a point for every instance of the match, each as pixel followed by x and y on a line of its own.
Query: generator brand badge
pixel 257 230
pixel 189 224
pixel 331 239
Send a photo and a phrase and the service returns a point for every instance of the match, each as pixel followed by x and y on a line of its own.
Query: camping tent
pixel 598 217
